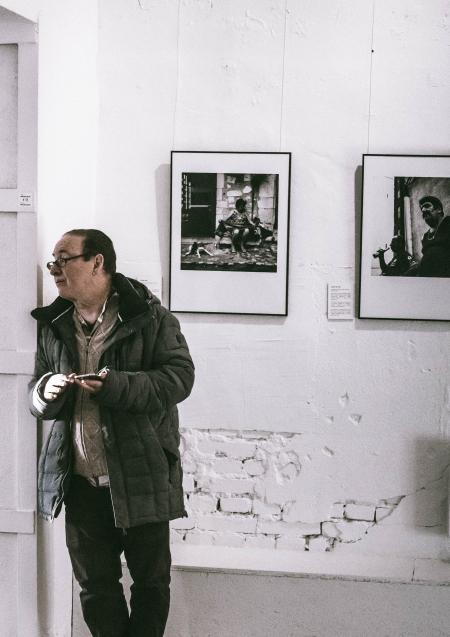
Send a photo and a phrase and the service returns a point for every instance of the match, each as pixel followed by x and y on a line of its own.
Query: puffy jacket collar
pixel 134 299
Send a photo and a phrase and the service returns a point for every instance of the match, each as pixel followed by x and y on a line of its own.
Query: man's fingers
pixel 91 386
pixel 59 385
pixel 56 385
pixel 62 381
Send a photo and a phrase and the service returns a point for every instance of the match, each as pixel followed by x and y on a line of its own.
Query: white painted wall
pixel 327 81
pixel 68 121
pixel 68 131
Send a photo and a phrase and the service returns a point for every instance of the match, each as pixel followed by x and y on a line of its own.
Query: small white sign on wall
pixel 26 200
pixel 340 301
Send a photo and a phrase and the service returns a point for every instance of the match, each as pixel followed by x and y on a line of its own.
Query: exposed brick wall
pixel 242 489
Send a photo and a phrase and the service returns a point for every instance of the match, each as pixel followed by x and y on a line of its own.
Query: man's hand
pixel 91 386
pixel 56 385
pixel 380 251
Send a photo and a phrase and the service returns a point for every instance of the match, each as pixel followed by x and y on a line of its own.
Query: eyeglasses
pixel 60 262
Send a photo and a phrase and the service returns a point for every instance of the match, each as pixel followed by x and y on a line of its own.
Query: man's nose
pixel 54 269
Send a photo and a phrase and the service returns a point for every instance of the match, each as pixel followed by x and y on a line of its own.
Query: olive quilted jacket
pixel 150 371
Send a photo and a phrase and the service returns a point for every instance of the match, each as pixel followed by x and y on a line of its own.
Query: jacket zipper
pixel 102 420
pixel 86 355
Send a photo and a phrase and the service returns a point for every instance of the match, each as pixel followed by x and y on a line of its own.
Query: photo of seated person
pixel 237 225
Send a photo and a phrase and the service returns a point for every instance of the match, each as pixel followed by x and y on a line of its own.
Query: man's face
pixel 240 206
pixel 431 215
pixel 75 278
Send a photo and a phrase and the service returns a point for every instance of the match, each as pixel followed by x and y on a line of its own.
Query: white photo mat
pixel 396 297
pixel 230 292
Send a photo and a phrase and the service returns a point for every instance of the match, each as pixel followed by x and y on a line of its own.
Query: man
pixel 436 241
pixel 238 225
pixel 401 261
pixel 112 454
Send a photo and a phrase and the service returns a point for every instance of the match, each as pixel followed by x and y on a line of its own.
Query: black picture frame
pixel 229 232
pixel 404 261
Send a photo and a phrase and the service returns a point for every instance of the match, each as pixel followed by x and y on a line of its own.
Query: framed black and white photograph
pixel 229 232
pixel 405 237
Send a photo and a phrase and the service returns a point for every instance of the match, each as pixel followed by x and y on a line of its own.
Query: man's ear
pixel 98 262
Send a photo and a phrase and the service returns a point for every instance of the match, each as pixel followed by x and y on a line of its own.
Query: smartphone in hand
pixel 88 377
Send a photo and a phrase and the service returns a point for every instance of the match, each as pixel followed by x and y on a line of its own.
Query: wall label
pixel 340 301
pixel 26 200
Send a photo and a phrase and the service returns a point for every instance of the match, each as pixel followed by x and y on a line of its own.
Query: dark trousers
pixel 95 546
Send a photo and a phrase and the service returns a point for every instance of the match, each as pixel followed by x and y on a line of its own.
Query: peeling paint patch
pixel 299 28
pixel 395 501
pixel 289 471
pixel 337 510
pixel 319 543
pixel 254 20
pixel 244 488
pixel 344 400
pixel 381 513
pixel 230 68
pixel 345 531
pixel 359 511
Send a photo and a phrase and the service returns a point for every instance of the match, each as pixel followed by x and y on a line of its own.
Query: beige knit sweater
pixel 89 452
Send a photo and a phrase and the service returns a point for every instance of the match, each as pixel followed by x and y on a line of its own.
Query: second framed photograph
pixel 229 232
pixel 405 237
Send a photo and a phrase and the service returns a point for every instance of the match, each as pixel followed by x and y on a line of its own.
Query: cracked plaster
pixel 283 497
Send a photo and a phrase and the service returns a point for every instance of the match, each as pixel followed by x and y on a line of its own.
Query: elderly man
pixel 111 366
pixel 436 241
